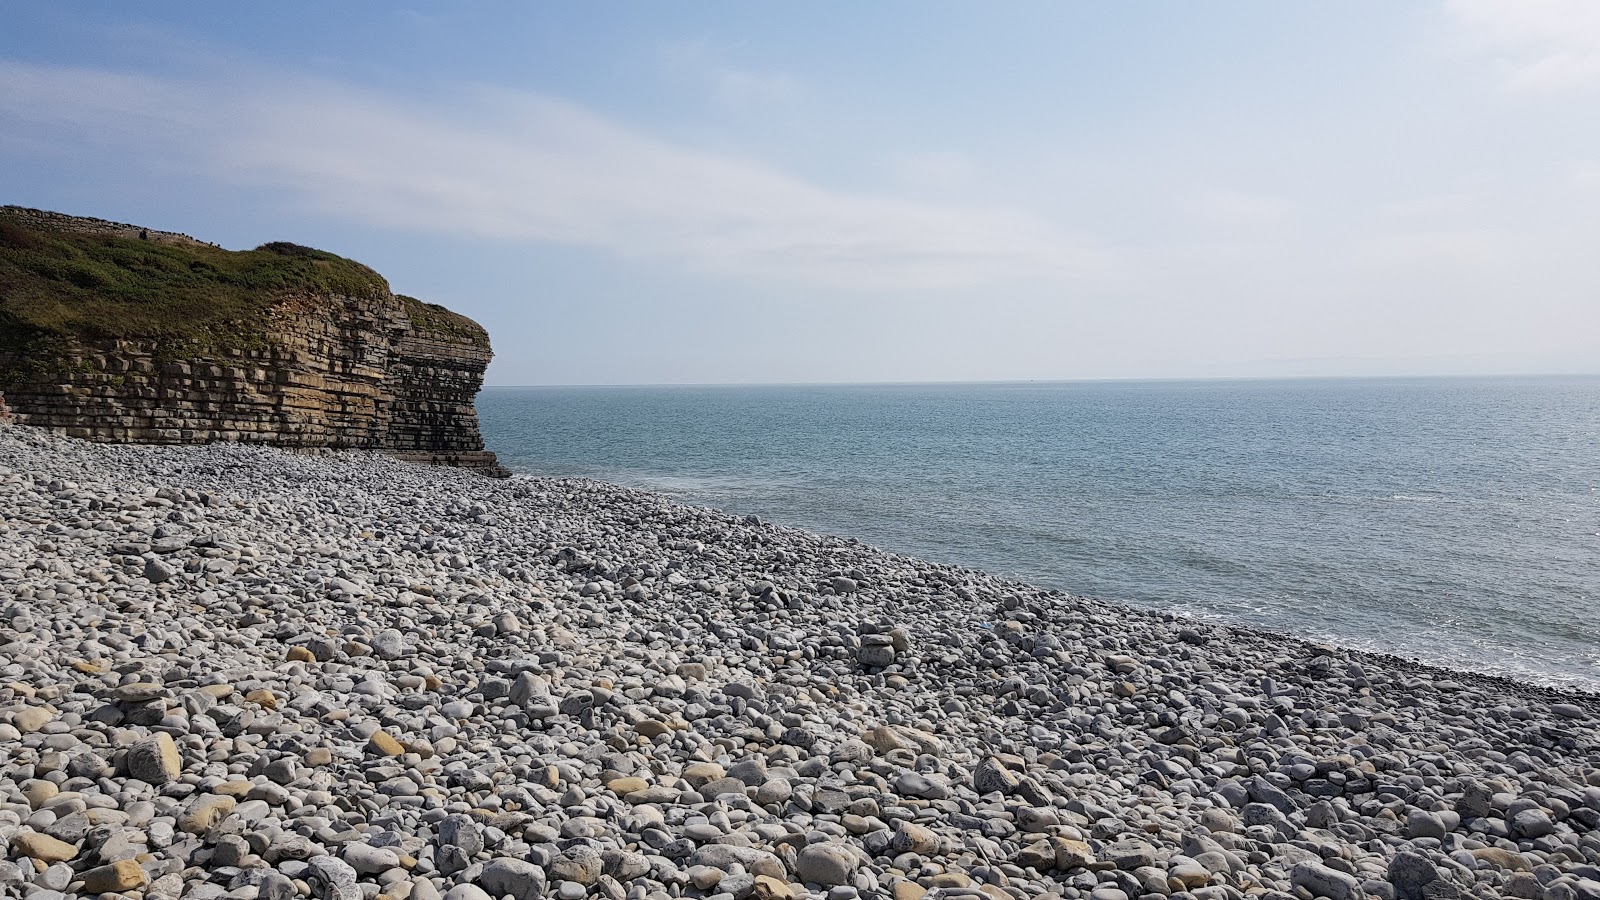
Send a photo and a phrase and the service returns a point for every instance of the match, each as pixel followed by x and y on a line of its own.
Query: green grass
pixel 59 284
pixel 435 319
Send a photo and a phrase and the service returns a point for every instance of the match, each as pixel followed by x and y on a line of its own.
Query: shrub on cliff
pixel 431 318
pixel 58 281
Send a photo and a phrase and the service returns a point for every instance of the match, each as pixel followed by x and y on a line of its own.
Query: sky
pixel 718 192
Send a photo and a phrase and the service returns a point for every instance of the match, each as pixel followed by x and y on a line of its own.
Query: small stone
pixel 992 777
pixel 652 728
pixel 1130 855
pixel 624 786
pixel 155 760
pixel 916 784
pixel 1423 824
pixel 384 744
pixel 908 890
pixel 770 888
pixel 236 789
pixel 139 692
pixel 1191 875
pixel 701 774
pixel 580 864
pixel 43 847
pixel 1322 881
pixel 274 886
pixel 369 860
pixel 1505 859
pixel 521 879
pixel 1524 886
pixel 32 718
pixel 389 644
pixel 332 879
pixel 1071 854
pixel 1532 823
pixel 230 851
pixel 158 572
pixel 1039 855
pixel 827 864
pixel 37 791
pixel 461 831
pixel 205 811
pixel 774 790
pixel 123 875
pixel 912 838
pixel 1410 873
pixel 876 656
pixel 265 699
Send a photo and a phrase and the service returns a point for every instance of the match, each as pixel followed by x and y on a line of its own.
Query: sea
pixel 1451 520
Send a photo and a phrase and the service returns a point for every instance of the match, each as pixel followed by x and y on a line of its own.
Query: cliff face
pixel 306 351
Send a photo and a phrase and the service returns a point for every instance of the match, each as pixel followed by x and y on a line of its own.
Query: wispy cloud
pixel 935 171
pixel 1443 249
pixel 730 85
pixel 1225 206
pixel 525 166
pixel 1541 45
pixel 1585 175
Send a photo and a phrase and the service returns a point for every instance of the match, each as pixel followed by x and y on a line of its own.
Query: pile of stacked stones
pixel 236 672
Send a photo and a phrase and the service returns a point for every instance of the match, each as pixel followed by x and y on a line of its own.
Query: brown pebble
pixel 122 875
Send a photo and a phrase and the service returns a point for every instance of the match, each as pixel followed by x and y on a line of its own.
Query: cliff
pixel 117 333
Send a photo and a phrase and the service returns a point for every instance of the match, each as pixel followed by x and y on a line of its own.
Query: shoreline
pixel 1486 679
pixel 348 676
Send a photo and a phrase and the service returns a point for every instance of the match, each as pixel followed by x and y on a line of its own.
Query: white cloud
pixel 935 171
pixel 523 166
pixel 1444 250
pixel 1231 207
pixel 730 85
pixel 1541 45
pixel 1586 175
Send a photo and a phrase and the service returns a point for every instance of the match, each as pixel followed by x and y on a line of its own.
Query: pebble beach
pixel 237 672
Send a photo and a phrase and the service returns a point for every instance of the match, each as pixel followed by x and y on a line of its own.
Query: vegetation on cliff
pixel 60 282
pixel 431 318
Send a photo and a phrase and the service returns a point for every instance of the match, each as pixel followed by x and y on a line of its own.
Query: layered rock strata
pixel 313 371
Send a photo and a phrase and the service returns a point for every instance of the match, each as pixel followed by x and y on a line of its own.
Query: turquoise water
pixel 1452 520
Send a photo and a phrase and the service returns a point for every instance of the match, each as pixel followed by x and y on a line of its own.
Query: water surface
pixel 1452 520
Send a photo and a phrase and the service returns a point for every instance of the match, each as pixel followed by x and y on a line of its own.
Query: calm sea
pixel 1452 520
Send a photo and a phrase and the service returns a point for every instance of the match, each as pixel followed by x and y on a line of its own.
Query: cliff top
pixel 88 278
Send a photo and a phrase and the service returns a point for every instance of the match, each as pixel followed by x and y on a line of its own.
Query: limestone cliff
pixel 113 332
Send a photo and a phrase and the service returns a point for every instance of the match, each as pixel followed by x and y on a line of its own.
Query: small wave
pixel 1293 519
pixel 705 487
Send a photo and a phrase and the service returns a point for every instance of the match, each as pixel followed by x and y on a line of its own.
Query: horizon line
pixel 1085 380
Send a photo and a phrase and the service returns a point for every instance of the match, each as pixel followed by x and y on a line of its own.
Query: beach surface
pixel 229 671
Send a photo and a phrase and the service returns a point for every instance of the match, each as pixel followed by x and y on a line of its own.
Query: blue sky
pixel 721 192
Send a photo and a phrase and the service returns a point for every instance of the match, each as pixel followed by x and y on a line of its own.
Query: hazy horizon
pixel 1132 379
pixel 905 193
